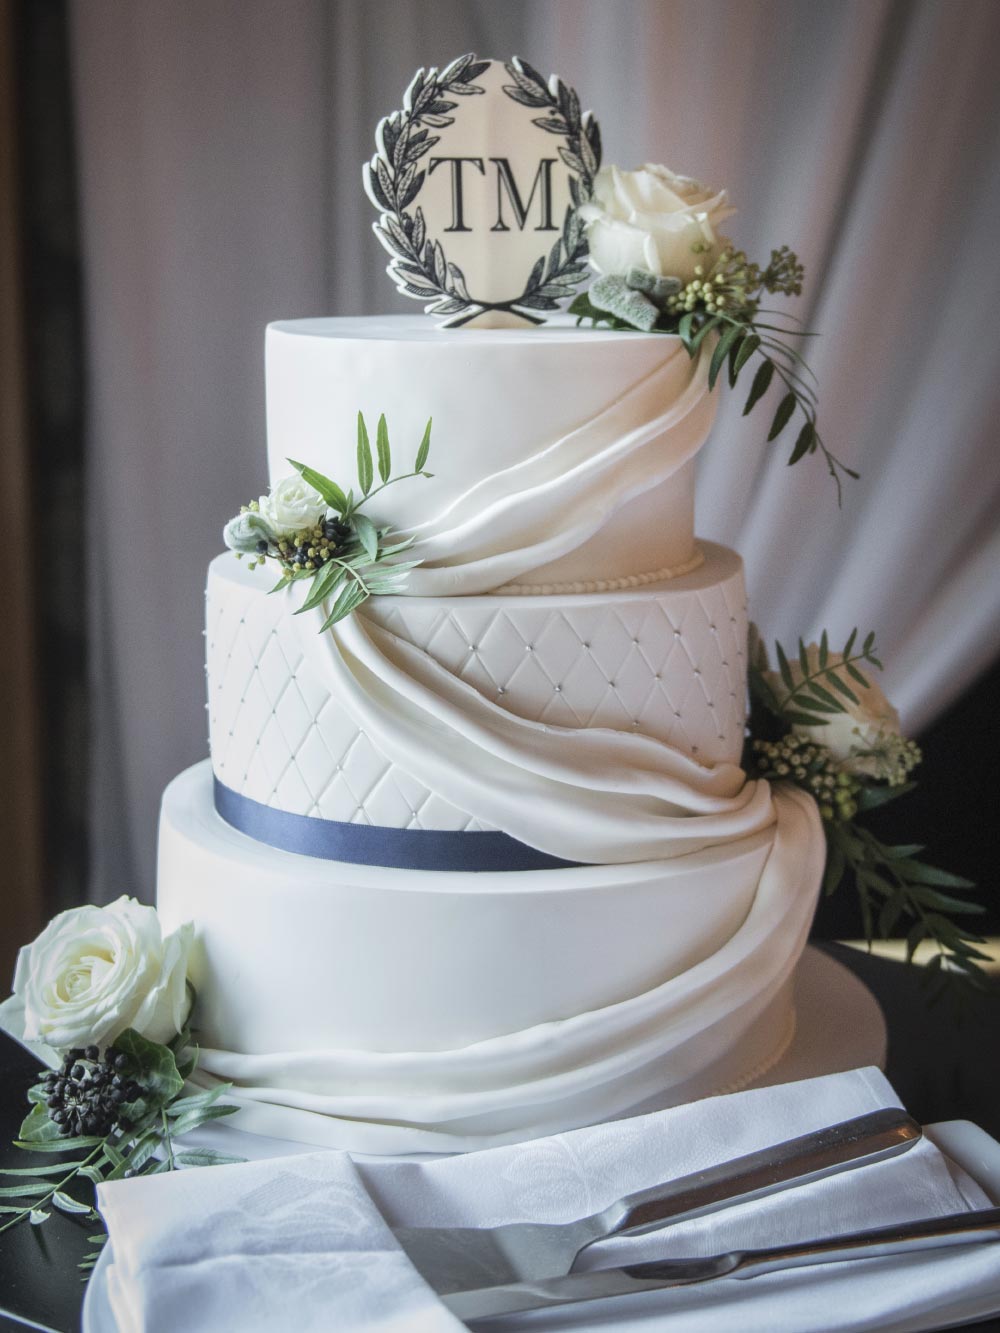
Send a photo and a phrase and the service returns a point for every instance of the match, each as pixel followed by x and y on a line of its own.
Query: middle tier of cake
pixel 665 661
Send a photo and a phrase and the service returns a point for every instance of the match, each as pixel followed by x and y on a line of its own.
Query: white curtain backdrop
pixel 220 144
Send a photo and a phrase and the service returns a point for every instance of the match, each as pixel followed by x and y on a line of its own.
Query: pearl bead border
pixel 604 585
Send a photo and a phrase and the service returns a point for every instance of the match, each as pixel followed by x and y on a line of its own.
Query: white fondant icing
pixel 409 1011
pixel 665 662
pixel 559 455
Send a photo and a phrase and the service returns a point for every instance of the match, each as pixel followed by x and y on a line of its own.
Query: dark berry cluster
pixel 313 548
pixel 86 1094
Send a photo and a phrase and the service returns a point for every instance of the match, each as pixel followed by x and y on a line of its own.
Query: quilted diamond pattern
pixel 667 662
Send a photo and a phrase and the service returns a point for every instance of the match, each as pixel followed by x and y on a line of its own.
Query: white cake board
pixel 839 1026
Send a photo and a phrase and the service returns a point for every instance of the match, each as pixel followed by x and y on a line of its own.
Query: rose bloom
pixel 293 506
pixel 95 971
pixel 868 725
pixel 654 220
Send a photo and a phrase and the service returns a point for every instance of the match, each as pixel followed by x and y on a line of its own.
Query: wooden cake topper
pixel 477 181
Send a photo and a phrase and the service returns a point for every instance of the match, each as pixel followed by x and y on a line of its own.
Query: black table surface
pixel 943 1061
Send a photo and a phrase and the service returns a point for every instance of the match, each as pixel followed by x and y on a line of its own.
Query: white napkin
pixel 290 1243
pixel 298 1242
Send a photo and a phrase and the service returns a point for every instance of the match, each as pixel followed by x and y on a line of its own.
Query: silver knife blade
pixel 455 1259
pixel 519 1297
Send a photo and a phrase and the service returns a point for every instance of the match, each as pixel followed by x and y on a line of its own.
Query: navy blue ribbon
pixel 375 845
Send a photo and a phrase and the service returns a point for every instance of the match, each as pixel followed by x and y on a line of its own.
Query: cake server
pixel 904 1238
pixel 456 1259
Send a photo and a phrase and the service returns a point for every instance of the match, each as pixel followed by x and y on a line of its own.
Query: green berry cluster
pixel 893 757
pixel 784 273
pixel 797 759
pixel 731 285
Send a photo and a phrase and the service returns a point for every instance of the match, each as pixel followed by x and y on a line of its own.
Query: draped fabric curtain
pixel 220 144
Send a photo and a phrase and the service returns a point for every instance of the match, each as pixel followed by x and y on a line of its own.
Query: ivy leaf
pixel 367 535
pixel 761 384
pixel 425 447
pixel 38 1130
pixel 329 490
pixel 155 1066
pixel 781 417
pixel 382 445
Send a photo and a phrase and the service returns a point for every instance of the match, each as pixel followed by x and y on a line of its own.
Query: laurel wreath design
pixel 393 179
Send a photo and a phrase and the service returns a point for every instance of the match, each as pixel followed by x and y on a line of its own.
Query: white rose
pixel 653 220
pixel 871 725
pixel 293 506
pixel 95 971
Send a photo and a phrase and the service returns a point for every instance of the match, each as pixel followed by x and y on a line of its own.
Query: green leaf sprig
pixel 141 1140
pixel 895 887
pixel 347 557
pixel 820 691
pixel 724 301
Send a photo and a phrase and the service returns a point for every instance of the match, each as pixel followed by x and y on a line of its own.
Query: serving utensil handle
pixel 856 1142
pixel 931 1233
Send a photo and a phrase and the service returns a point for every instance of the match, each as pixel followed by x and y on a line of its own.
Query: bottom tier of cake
pixel 396 1011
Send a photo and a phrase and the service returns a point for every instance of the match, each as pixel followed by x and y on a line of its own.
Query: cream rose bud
pixel 872 724
pixel 292 506
pixel 95 971
pixel 652 219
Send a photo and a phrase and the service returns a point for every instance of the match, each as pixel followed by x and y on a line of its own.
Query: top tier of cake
pixel 599 428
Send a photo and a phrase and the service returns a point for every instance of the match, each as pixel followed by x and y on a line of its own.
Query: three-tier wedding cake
pixel 479 862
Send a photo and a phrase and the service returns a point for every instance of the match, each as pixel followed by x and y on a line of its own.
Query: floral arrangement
pixel 665 267
pixel 312 529
pixel 821 721
pixel 108 996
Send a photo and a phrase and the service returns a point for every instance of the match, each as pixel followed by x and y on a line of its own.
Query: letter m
pixel 542 184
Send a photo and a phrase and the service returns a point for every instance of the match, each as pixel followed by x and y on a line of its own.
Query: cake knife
pixel 453 1259
pixel 655 1275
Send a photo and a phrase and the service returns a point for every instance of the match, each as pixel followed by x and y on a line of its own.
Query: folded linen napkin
pixel 300 1242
